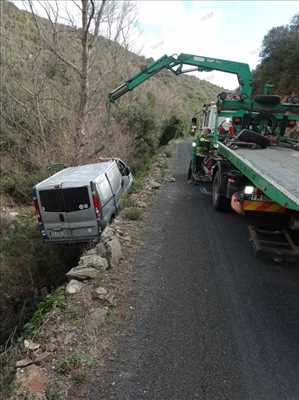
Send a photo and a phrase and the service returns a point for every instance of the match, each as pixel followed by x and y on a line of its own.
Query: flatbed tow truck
pixel 253 165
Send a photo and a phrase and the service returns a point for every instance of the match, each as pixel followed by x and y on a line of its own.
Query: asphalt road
pixel 212 321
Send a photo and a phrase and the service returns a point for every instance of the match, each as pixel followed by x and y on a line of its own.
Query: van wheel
pixel 220 202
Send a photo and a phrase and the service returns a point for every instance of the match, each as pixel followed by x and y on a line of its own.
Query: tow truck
pixel 253 164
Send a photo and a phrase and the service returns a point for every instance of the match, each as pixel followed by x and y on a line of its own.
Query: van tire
pixel 219 201
pixel 248 136
pixel 268 100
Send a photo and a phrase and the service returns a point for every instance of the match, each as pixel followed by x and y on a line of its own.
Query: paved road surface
pixel 212 321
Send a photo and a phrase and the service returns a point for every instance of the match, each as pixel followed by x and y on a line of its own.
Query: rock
pixel 81 273
pixel 126 238
pixel 107 234
pixel 91 252
pixel 25 362
pixel 110 299
pixel 141 204
pixel 33 381
pixel 155 185
pixel 41 357
pixel 101 292
pixel 114 252
pixel 96 318
pixel 30 345
pixel 170 179
pixel 74 287
pixel 94 261
pixel 102 250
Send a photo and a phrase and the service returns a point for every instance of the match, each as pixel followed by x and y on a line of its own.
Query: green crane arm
pixel 176 64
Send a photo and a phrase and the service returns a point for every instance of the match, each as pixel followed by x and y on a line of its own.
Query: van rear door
pixel 68 213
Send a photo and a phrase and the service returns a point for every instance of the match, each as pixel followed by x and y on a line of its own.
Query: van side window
pixel 123 169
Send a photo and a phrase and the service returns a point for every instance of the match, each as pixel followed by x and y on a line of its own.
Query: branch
pixel 55 51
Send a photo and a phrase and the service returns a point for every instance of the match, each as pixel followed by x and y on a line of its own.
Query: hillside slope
pixel 40 96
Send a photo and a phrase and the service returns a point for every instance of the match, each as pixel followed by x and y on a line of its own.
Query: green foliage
pixel 143 123
pixel 132 213
pixel 279 59
pixel 55 300
pixel 74 362
pixel 19 185
pixel 126 201
pixel 173 128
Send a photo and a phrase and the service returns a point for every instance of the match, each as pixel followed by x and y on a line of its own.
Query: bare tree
pixel 109 18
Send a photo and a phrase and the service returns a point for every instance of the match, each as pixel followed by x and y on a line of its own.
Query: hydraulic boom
pixel 176 65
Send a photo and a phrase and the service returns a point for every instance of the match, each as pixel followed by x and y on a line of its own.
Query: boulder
pixel 107 234
pixel 170 179
pixel 74 286
pixel 114 252
pixel 81 273
pixel 30 345
pixel 101 293
pixel 94 261
pixel 155 185
pixel 102 250
pixel 25 362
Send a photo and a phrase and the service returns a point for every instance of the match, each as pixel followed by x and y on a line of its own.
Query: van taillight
pixel 37 209
pixel 96 203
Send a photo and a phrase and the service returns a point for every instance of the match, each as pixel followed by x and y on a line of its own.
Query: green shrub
pixel 19 186
pixel 126 201
pixel 132 213
pixel 173 129
pixel 51 302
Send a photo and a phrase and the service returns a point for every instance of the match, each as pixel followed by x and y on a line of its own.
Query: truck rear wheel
pixel 219 201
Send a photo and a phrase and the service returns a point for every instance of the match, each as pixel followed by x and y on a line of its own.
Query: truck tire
pixel 246 135
pixel 189 175
pixel 268 99
pixel 219 201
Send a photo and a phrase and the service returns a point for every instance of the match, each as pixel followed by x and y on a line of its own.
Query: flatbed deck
pixel 275 170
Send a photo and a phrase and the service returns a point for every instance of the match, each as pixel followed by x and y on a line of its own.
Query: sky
pixel 231 30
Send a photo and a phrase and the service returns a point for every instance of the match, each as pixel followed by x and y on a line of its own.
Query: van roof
pixel 75 176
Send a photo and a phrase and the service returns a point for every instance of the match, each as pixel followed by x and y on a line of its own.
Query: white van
pixel 75 204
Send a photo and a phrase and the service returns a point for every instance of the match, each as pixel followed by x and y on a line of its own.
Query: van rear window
pixel 65 200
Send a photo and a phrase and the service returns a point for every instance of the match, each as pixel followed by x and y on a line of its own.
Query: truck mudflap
pixel 277 245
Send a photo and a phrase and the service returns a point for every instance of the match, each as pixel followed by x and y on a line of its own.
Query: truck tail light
pixel 37 209
pixel 96 203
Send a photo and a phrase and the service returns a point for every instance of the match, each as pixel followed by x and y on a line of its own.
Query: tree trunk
pixel 81 115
